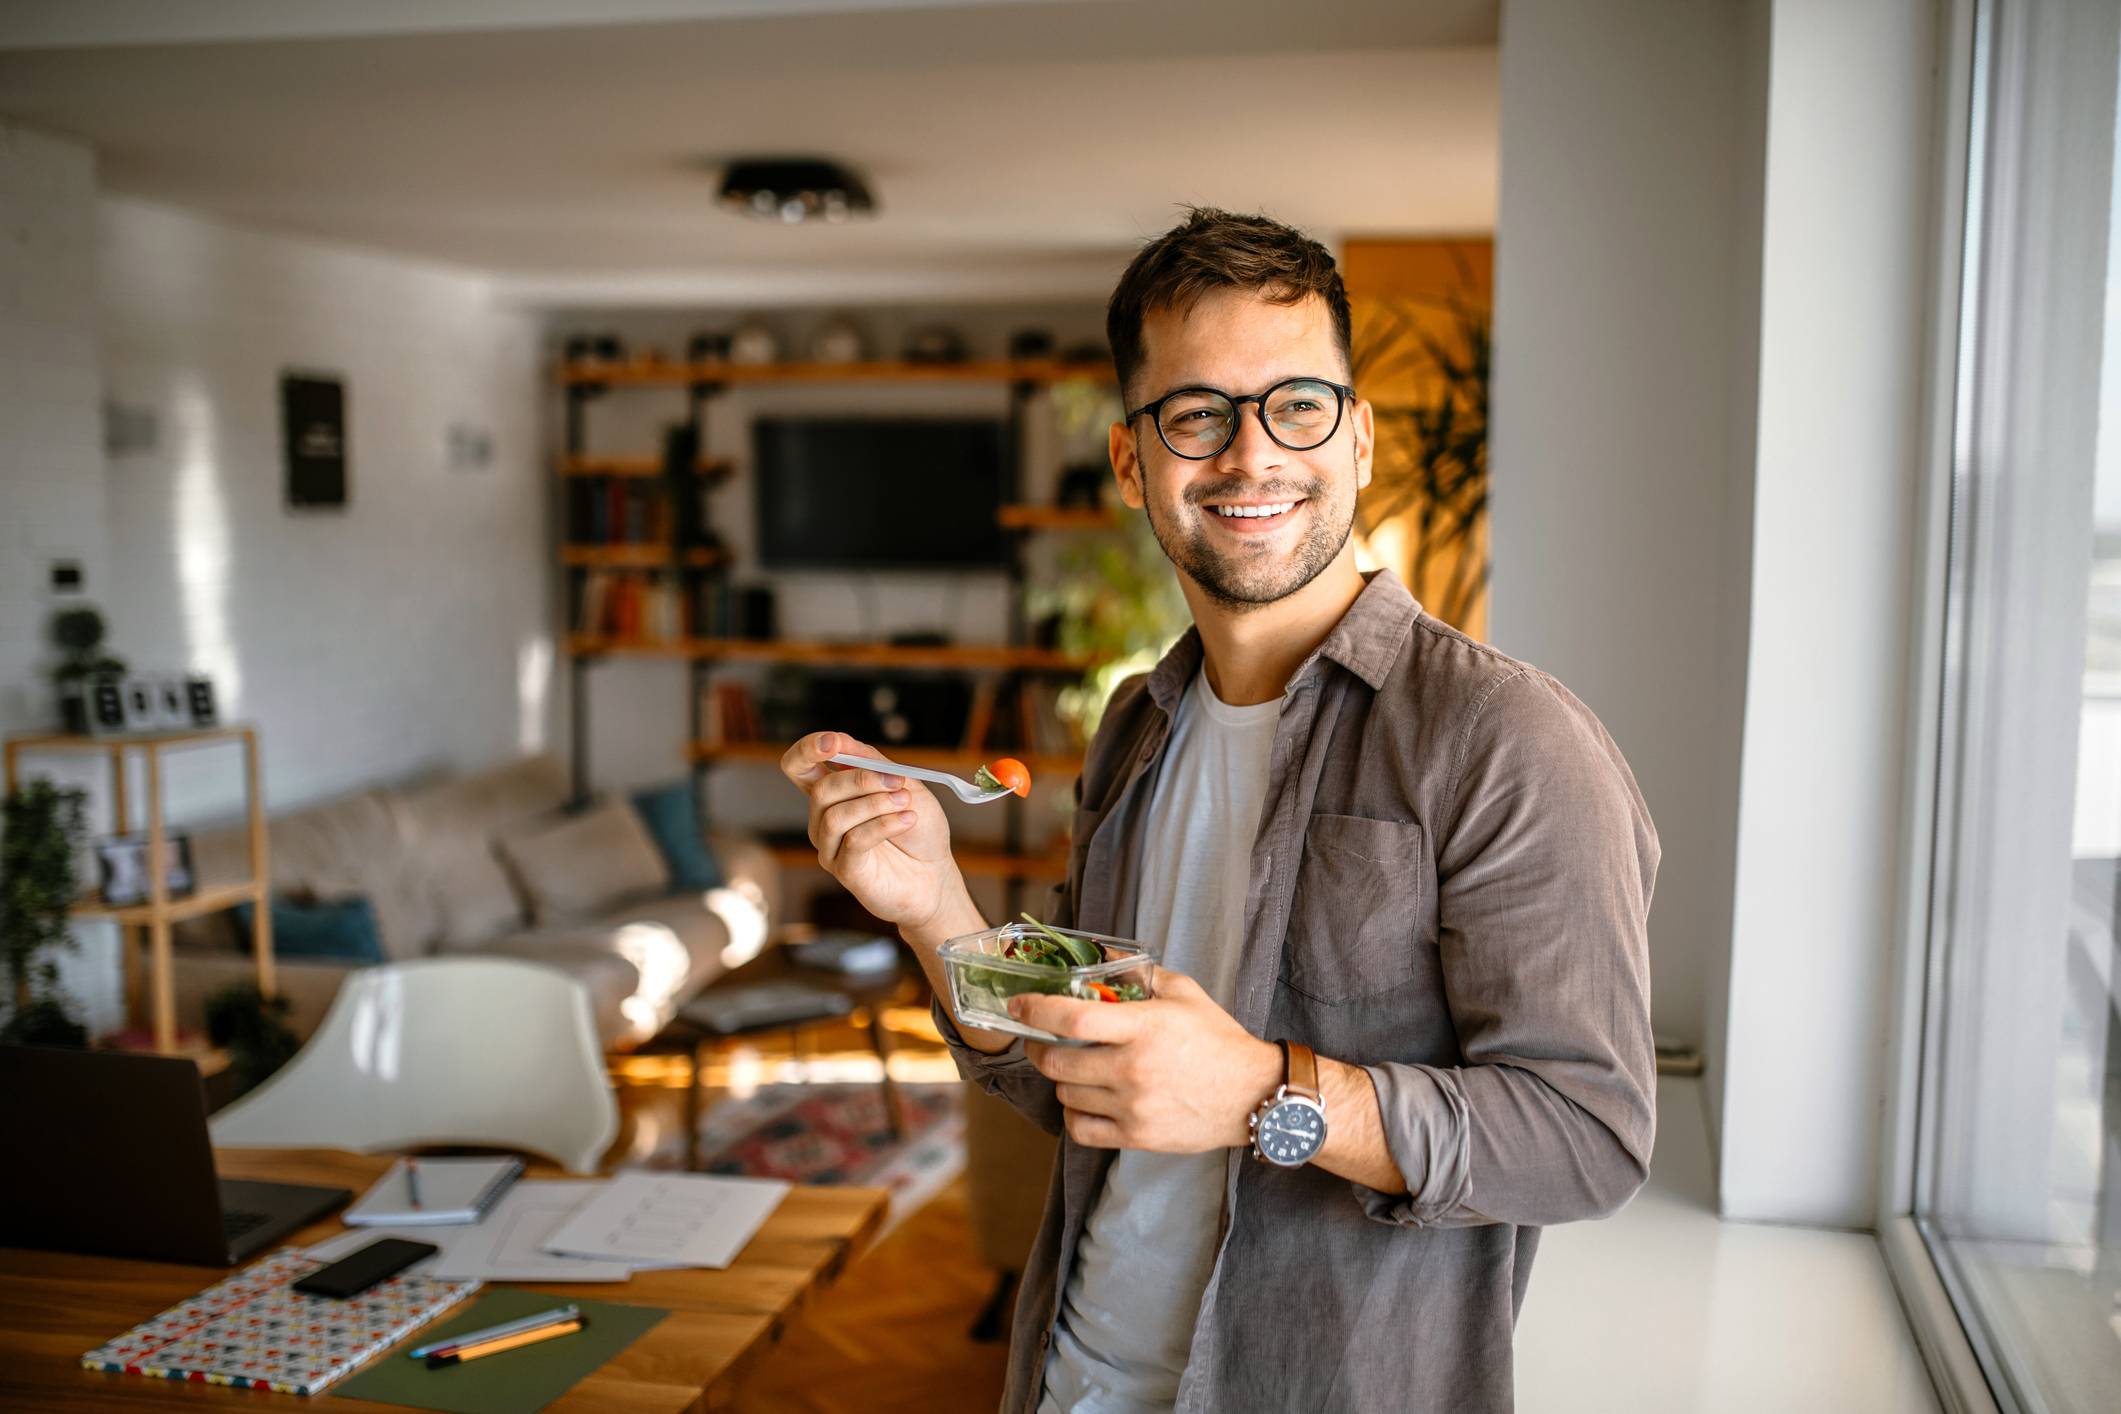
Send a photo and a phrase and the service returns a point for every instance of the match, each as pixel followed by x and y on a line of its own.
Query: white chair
pixel 455 1050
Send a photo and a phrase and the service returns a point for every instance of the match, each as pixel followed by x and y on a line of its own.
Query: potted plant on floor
pixel 40 834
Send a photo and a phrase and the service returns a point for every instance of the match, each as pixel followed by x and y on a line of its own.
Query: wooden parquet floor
pixel 890 1335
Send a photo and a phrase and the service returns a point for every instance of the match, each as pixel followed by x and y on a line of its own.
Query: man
pixel 1344 826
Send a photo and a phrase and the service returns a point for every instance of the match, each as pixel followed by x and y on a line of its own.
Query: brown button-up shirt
pixel 1450 888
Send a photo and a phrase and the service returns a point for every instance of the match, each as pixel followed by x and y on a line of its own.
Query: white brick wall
pixel 369 642
pixel 51 462
pixel 409 630
pixel 51 468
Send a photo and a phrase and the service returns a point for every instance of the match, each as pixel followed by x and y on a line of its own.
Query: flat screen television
pixel 874 493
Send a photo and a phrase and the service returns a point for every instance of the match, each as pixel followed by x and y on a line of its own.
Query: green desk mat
pixel 513 1382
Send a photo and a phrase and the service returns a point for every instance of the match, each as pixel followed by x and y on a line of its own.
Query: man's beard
pixel 1252 581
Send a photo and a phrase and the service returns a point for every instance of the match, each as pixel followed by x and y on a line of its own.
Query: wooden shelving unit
pixel 707 645
pixel 666 373
pixel 827 653
pixel 155 1003
pixel 709 470
pixel 636 557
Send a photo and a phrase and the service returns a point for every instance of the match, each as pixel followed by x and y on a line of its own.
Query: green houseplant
pixel 40 833
pixel 1431 457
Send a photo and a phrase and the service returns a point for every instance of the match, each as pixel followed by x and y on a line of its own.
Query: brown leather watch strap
pixel 1300 1070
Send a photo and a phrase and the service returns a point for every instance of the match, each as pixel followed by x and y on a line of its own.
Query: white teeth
pixel 1252 512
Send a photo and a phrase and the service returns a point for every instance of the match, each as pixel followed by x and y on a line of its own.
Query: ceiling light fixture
pixel 794 189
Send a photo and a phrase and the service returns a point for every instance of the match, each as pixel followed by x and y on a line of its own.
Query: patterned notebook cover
pixel 253 1332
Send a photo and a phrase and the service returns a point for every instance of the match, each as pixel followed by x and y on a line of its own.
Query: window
pixel 2018 1151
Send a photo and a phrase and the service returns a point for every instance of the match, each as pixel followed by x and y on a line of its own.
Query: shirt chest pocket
pixel 1355 922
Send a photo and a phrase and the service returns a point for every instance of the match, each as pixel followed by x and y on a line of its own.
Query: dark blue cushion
pixel 667 812
pixel 340 930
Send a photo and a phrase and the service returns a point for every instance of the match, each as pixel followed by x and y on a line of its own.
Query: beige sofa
pixel 491 863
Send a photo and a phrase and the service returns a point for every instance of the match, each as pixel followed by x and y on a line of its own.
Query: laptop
pixel 108 1153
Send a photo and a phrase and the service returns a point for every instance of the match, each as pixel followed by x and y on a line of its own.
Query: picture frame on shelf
pixel 121 868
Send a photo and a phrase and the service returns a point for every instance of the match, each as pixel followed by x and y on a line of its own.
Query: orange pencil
pixel 506 1342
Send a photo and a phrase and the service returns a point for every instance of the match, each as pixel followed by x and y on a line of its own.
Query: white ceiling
pixel 1018 148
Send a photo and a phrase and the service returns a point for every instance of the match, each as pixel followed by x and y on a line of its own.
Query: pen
pixel 556 1316
pixel 412 1180
pixel 507 1342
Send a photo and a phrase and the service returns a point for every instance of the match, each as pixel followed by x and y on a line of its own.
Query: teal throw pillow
pixel 667 812
pixel 334 930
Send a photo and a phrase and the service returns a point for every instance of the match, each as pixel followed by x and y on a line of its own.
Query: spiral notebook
pixel 254 1331
pixel 450 1191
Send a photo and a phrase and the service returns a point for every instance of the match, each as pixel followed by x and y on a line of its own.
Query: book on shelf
pixel 632 606
pixel 629 510
pixel 729 715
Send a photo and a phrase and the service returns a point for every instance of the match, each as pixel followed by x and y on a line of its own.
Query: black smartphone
pixel 355 1272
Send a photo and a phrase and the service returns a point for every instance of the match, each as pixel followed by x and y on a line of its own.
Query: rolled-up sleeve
pixel 1544 878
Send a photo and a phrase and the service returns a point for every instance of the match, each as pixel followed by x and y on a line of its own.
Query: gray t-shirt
pixel 1126 1320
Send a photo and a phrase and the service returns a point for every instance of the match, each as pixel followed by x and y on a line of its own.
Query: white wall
pixel 51 464
pixel 407 630
pixel 1710 270
pixel 1617 289
pixel 1844 276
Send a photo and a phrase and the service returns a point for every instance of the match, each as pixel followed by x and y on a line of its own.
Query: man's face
pixel 1239 343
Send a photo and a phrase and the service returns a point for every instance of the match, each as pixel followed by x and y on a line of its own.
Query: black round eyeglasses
pixel 1298 413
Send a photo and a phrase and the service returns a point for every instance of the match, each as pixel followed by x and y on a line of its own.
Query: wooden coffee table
pixel 872 991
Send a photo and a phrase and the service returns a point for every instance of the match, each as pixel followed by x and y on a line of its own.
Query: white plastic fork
pixel 966 791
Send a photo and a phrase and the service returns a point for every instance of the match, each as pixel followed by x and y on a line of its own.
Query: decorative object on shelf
pixel 78 635
pixel 1083 484
pixel 794 190
pixel 755 614
pixel 122 863
pixel 1086 353
pixel 753 344
pixel 252 1028
pixel 839 341
pixel 1031 343
pixel 199 695
pixel 40 833
pixel 934 343
pixel 313 431
pixel 707 346
pixel 172 703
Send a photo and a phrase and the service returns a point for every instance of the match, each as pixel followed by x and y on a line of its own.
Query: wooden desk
pixel 55 1305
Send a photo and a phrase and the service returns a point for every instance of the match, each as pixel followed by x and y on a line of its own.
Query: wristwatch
pixel 1289 1127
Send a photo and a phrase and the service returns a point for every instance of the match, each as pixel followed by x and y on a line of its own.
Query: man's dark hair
pixel 1216 250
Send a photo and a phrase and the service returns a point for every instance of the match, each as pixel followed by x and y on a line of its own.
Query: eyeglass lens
pixel 1300 414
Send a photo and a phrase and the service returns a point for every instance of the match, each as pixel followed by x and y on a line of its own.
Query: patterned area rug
pixel 836 1133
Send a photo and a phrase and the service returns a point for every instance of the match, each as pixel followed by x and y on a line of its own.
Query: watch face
pixel 1291 1132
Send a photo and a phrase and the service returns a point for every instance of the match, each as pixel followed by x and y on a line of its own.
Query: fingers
pixel 1089 1099
pixel 1098 1066
pixel 860 823
pixel 847 782
pixel 1078 1020
pixel 1092 1131
pixel 808 761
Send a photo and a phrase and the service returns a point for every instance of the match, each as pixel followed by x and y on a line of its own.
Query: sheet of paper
pixel 686 1220
pixel 506 1246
